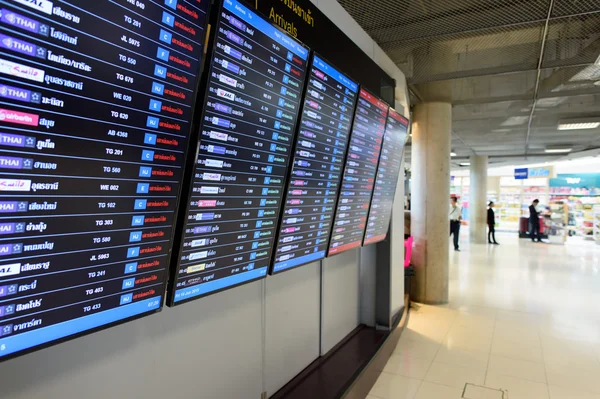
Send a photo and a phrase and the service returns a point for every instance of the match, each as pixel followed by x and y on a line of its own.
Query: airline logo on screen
pixel 40 5
pixel 21 71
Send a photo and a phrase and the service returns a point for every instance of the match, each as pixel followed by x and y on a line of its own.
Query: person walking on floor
pixel 534 221
pixel 491 221
pixel 455 218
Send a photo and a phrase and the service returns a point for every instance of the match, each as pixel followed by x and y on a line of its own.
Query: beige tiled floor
pixel 522 317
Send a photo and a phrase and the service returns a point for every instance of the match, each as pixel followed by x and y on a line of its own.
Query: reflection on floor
pixel 523 318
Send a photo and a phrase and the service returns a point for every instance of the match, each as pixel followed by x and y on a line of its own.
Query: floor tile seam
pixel 520 378
pixel 418 388
pixel 414 357
pixel 433 360
pixel 454 364
pixel 516 358
pixel 578 390
pixel 487 367
pixel 544 359
pixel 410 378
pixel 445 385
pixel 553 368
pixel 421 342
pixel 513 341
pixel 570 387
pixel 399 375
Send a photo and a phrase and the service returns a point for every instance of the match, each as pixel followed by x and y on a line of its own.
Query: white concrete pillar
pixel 431 143
pixel 478 200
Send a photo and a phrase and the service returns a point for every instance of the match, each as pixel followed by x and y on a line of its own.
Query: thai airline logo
pixel 40 5
pixel 10 270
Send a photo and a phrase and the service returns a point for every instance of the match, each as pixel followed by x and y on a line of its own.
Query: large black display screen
pixel 359 173
pixel 253 99
pixel 95 109
pixel 390 165
pixel 317 167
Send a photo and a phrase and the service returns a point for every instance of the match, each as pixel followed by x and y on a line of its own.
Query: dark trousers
pixel 491 233
pixel 455 229
pixel 534 230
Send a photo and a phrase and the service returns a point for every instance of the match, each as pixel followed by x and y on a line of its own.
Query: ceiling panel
pixel 400 20
pixel 572 7
pixel 573 41
pixel 569 81
pixel 465 54
pixel 493 88
pixel 506 103
pixel 502 110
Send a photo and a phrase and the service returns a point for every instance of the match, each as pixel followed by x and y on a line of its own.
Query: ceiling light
pixel 452 154
pixel 515 121
pixel 557 150
pixel 465 164
pixel 579 123
pixel 578 126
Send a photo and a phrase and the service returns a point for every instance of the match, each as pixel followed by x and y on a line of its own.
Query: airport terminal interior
pixel 298 199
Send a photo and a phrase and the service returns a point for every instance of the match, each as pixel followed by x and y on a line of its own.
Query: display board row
pixel 127 172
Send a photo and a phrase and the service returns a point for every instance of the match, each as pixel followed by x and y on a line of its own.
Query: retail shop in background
pixel 512 197
pixel 569 202
pixel 575 204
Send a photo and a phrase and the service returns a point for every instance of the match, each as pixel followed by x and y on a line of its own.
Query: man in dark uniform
pixel 534 222
pixel 491 221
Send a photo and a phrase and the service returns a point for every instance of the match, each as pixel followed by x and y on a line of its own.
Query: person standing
pixel 455 218
pixel 491 221
pixel 534 221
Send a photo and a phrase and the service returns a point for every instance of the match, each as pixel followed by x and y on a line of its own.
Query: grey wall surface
pixel 368 269
pixel 209 349
pixel 340 305
pixel 397 248
pixel 293 302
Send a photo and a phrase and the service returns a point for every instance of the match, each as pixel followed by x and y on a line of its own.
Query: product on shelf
pixel 596 224
pixel 557 221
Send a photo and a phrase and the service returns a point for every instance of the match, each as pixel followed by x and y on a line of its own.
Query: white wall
pixel 232 345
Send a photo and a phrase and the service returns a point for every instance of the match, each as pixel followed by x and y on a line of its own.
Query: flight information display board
pixel 320 151
pixel 390 165
pixel 95 108
pixel 359 173
pixel 254 93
